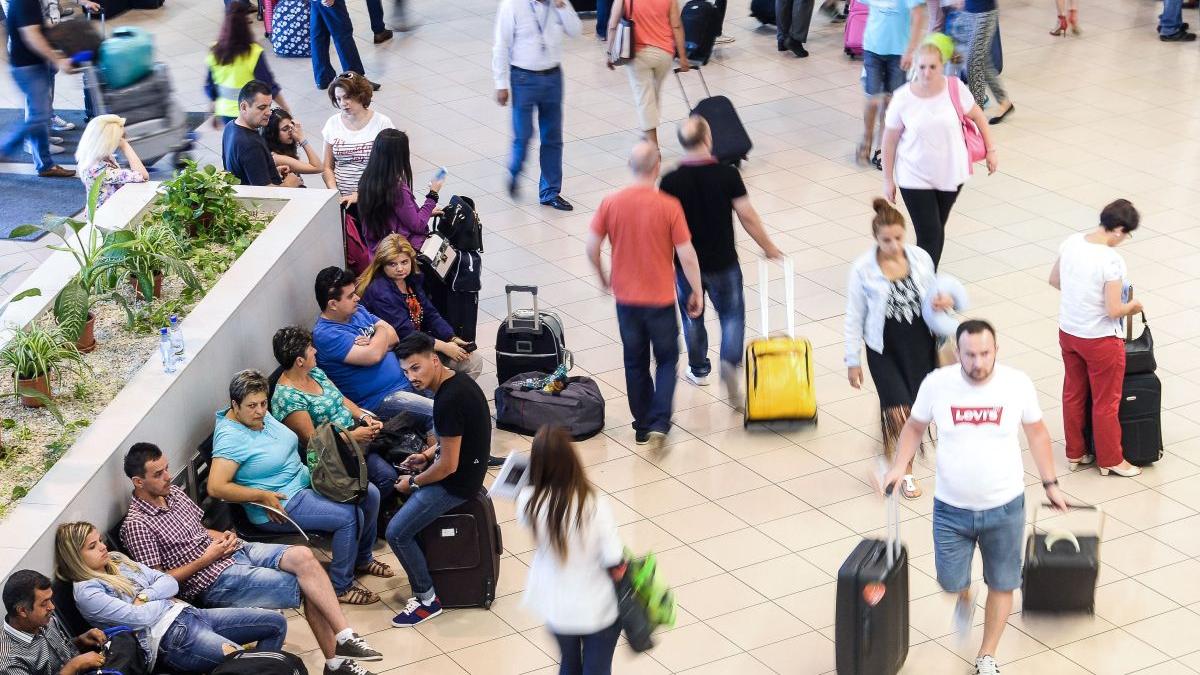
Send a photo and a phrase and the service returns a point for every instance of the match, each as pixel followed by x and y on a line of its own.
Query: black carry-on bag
pixel 529 340
pixel 1061 567
pixel 731 143
pixel 462 548
pixel 871 616
pixel 701 25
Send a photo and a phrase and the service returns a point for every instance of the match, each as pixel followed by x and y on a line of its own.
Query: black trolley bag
pixel 701 25
pixel 462 549
pixel 731 143
pixel 1140 413
pixel 871 615
pixel 529 340
pixel 1061 567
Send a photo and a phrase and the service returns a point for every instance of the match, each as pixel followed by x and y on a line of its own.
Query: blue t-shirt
pixel 367 386
pixel 888 26
pixel 267 459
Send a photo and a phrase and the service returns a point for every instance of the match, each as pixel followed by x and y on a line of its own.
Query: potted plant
pixel 34 354
pixel 199 201
pixel 144 255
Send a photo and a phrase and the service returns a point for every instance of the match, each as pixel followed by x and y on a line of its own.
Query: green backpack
pixel 339 469
pixel 652 592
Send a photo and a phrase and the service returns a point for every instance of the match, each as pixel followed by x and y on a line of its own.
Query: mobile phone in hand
pixel 441 173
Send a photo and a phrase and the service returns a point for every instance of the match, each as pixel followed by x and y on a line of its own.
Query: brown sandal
pixel 376 569
pixel 358 596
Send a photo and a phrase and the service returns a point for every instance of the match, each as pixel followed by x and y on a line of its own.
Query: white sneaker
pixel 698 380
pixel 657 443
pixel 725 39
pixel 59 124
pixel 964 617
pixel 986 665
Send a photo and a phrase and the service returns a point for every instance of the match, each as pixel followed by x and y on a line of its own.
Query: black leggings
pixel 929 210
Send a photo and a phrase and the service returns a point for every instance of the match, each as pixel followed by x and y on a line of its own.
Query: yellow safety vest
pixel 231 77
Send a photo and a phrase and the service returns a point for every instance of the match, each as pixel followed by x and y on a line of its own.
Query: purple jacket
pixel 385 301
pixel 408 221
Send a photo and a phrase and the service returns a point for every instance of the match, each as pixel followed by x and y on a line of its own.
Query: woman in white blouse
pixel 570 582
pixel 924 152
pixel 350 134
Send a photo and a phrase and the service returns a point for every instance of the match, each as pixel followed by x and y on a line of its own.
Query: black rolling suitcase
pixel 1061 568
pixel 731 143
pixel 529 340
pixel 764 11
pixel 1141 419
pixel 462 549
pixel 701 25
pixel 871 617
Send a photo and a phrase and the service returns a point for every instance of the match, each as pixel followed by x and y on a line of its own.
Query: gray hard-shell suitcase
pixel 578 408
pixel 529 339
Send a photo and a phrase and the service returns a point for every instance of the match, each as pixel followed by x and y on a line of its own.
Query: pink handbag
pixel 976 148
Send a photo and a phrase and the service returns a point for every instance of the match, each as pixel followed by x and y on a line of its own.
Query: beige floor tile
pixel 931 657
pixel 692 646
pixel 685 456
pixel 805 530
pixel 715 596
pixel 1128 600
pixel 848 446
pixel 1055 630
pixel 740 548
pixel 508 655
pixel 1014 644
pixel 831 556
pixel 654 499
pixel 1167 668
pixel 866 513
pixel 764 504
pixel 781 656
pixel 684 565
pixel 744 664
pixel 723 481
pixel 758 626
pixel 1139 553
pixel 1041 664
pixel 624 473
pixel 1179 535
pixel 1147 509
pixel 782 576
pixel 438 665
pixel 463 628
pixel 826 487
pixel 785 463
pixel 699 522
pixel 740 443
pixel 1177 581
pixel 1174 633
pixel 1113 652
pixel 510 609
pixel 643 536
pixel 815 606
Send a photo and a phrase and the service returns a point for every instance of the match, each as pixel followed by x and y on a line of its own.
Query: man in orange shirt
pixel 647 230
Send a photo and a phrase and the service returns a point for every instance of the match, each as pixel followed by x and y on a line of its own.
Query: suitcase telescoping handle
pixel 532 290
pixel 1129 319
pixel 103 32
pixel 707 93
pixel 789 295
pixel 893 523
pixel 1076 507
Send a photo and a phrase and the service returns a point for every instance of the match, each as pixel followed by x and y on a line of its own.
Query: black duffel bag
pixel 578 408
pixel 261 662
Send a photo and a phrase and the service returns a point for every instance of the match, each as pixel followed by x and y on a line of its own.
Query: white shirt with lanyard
pixel 529 36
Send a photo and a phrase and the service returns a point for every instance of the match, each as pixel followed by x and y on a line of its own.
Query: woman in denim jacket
pixel 886 290
pixel 112 590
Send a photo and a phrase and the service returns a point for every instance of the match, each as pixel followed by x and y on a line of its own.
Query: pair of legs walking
pixel 540 92
pixel 792 18
pixel 36 83
pixel 882 76
pixel 930 210
pixel 724 290
pixel 650 398
pixel 332 22
pixel 588 654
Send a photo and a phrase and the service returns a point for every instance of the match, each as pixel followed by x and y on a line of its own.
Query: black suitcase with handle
pixel 1061 568
pixel 871 615
pixel 1140 416
pixel 731 143
pixel 462 549
pixel 529 340
pixel 701 25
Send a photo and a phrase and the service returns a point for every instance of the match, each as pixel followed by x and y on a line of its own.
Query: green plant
pixel 199 202
pixel 153 248
pixel 151 316
pixel 35 351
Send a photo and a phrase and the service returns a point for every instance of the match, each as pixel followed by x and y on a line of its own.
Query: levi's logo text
pixel 977 416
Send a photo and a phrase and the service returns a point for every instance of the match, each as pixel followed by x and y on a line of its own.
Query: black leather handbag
pixel 1139 353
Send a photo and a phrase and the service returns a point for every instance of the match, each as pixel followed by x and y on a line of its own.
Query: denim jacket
pixel 867 294
pixel 103 607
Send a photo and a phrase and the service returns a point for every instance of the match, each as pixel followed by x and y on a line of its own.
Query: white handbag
pixel 621 50
pixel 440 254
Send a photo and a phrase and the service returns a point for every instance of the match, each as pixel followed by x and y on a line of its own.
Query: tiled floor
pixel 751 528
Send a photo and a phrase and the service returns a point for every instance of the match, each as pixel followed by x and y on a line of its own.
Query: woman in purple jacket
pixel 386 204
pixel 391 290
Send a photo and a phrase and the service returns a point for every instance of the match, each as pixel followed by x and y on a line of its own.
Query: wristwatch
pixel 142 597
pixel 412 483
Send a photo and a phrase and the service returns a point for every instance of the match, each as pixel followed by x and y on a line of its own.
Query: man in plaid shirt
pixel 164 530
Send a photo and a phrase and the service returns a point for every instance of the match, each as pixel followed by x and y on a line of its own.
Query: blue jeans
pixel 375 12
pixel 724 290
pixel 643 328
pixel 353 527
pixel 401 401
pixel 422 508
pixel 35 82
pixel 324 23
pixel 255 580
pixel 603 8
pixel 195 641
pixel 542 92
pixel 998 531
pixel 588 654
pixel 382 475
pixel 1171 19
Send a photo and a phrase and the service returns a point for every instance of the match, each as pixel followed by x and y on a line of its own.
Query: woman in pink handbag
pixel 933 134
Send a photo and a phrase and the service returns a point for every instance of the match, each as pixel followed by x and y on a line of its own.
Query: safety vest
pixel 231 77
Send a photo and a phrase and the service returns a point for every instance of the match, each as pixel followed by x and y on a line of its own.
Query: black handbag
pixel 633 616
pixel 1139 353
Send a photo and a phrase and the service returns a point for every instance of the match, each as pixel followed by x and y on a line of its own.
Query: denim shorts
pixel 884 74
pixel 998 532
pixel 255 580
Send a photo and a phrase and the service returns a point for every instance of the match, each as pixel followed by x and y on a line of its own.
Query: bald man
pixel 710 192
pixel 646 229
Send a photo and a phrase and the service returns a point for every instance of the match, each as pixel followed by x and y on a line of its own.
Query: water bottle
pixel 165 351
pixel 176 339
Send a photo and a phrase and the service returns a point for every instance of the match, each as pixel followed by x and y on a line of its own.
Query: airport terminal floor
pixel 750 527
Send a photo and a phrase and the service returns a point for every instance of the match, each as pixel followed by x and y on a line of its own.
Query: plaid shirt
pixel 43 653
pixel 171 537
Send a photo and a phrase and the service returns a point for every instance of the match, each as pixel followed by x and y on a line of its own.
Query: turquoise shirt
pixel 267 459
pixel 327 406
pixel 888 26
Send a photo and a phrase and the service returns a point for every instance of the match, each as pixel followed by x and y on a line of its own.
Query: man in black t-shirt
pixel 451 476
pixel 32 62
pixel 710 192
pixel 243 148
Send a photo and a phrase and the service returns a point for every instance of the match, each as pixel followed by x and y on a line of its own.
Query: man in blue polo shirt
pixel 894 27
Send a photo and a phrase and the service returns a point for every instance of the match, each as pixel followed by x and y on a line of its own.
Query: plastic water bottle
pixel 165 351
pixel 176 339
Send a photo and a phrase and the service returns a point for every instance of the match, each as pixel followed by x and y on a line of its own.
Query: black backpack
pixel 459 224
pixel 261 663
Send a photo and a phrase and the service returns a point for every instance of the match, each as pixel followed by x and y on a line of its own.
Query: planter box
pixel 269 286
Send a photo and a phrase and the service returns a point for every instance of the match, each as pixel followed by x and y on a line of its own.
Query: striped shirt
pixel 351 148
pixel 43 653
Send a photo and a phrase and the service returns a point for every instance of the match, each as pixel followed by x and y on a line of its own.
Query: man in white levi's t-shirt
pixel 979 407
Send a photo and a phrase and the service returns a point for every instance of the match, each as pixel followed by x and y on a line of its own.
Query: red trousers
pixel 1095 369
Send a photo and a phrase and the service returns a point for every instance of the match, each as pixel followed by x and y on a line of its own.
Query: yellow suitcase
pixel 779 370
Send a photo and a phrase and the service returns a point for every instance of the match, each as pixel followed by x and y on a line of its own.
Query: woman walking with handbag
pixel 1091 275
pixel 570 582
pixel 925 147
pixel 657 40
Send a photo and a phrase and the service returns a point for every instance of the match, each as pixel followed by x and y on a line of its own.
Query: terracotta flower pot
pixel 87 340
pixel 40 383
pixel 158 277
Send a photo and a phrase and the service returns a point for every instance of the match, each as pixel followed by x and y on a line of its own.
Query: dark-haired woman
pixel 887 287
pixel 234 60
pixel 285 138
pixel 386 203
pixel 570 584
pixel 1091 275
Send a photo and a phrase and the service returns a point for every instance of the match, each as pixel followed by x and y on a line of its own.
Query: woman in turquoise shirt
pixel 256 462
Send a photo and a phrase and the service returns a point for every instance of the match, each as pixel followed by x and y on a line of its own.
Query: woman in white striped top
pixel 350 134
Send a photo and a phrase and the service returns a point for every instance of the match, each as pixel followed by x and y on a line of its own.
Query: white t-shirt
pixel 978 453
pixel 932 153
pixel 1083 269
pixel 352 148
